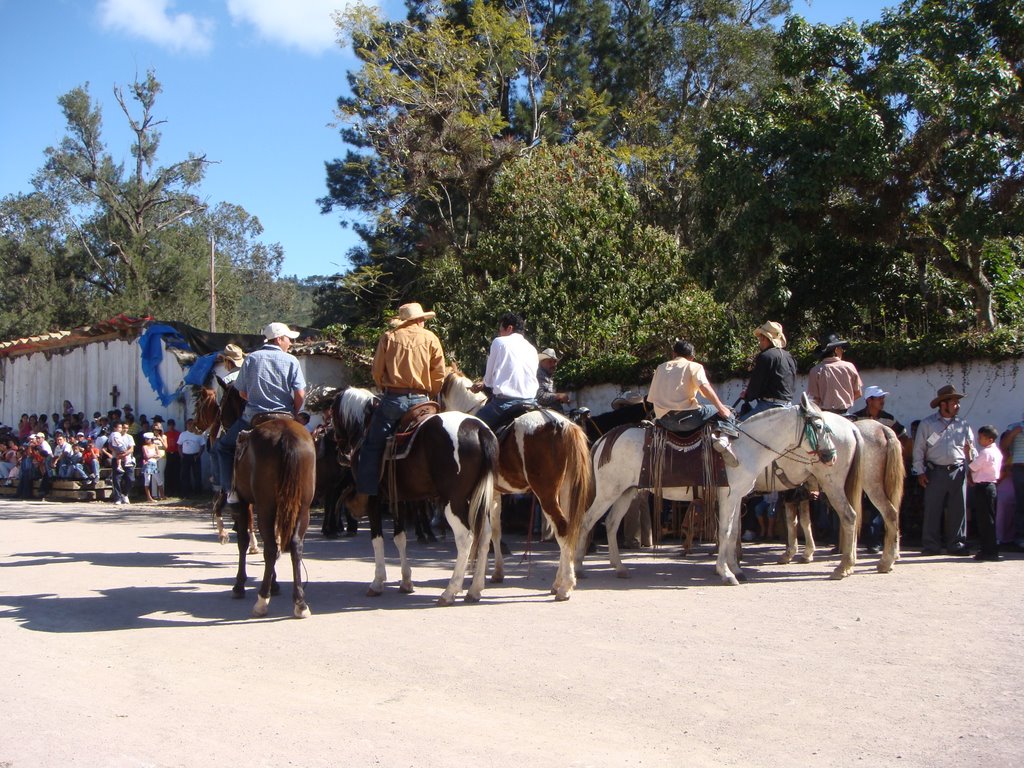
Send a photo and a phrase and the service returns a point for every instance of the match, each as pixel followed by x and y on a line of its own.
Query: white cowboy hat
pixel 408 313
pixel 547 354
pixel 773 332
pixel 276 330
pixel 874 391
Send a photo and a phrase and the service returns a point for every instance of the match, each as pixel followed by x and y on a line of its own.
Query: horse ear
pixel 805 402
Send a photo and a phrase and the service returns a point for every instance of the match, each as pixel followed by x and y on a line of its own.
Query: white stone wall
pixel 992 394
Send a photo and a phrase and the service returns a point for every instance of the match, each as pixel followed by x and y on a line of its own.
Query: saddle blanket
pixel 671 461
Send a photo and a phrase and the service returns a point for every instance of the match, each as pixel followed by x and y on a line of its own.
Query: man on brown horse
pixel 270 381
pixel 408 368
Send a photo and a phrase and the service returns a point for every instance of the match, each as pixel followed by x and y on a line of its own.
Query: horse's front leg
pixel 218 518
pixel 270 554
pixel 376 588
pixel 847 536
pixel 242 538
pixel 805 523
pixel 728 517
pixel 463 542
pixel 401 542
pixel 301 609
pixel 498 575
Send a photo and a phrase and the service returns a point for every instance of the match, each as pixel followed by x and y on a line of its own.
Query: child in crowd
pixel 985 470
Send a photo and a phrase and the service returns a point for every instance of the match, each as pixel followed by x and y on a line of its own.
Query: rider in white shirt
pixel 511 373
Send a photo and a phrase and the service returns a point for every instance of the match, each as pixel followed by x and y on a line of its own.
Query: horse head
pixel 457 394
pixel 816 431
pixel 206 409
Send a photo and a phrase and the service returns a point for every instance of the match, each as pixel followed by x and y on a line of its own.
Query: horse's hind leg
pixel 301 610
pixel 463 542
pixel 482 542
pixel 270 554
pixel 254 547
pixel 891 548
pixel 376 588
pixel 847 533
pixel 611 523
pixel 789 513
pixel 401 542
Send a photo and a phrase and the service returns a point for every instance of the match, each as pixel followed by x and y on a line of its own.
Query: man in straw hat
pixel 834 384
pixel 547 362
pixel 270 381
pixel 943 444
pixel 408 368
pixel 773 379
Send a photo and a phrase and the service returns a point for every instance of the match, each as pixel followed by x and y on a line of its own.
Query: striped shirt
pixel 269 378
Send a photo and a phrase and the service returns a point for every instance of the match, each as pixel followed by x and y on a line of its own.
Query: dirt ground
pixel 123 647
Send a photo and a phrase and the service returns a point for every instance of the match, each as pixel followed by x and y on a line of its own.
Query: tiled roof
pixel 121 326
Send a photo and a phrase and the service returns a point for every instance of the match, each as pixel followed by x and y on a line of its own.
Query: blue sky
pixel 251 84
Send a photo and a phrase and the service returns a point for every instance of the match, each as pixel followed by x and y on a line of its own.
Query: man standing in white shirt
pixel 511 374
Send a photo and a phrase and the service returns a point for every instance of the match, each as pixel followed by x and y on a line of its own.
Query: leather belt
pixel 405 391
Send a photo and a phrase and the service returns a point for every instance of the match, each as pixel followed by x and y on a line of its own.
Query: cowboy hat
pixel 408 313
pixel 947 392
pixel 773 332
pixel 276 330
pixel 547 354
pixel 234 353
pixel 829 342
pixel 627 398
pixel 874 391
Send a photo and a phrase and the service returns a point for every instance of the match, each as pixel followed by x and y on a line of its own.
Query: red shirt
pixel 172 440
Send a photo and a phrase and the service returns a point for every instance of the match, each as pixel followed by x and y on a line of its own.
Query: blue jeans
pixel 386 416
pixel 760 407
pixel 496 410
pixel 224 453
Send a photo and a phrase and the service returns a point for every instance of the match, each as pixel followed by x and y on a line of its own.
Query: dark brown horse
pixel 275 472
pixel 545 454
pixel 452 458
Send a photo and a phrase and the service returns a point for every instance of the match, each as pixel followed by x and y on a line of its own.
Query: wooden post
pixel 213 287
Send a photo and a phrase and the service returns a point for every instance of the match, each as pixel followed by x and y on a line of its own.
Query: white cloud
pixel 304 24
pixel 153 21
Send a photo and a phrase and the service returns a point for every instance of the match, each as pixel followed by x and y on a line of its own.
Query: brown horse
pixel 275 472
pixel 452 458
pixel 547 455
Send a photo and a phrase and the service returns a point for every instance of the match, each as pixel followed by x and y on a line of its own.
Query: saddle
pixel 680 460
pixel 510 417
pixel 263 418
pixel 400 443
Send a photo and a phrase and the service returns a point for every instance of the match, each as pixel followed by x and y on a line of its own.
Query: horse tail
pixel 895 472
pixel 580 479
pixel 854 480
pixel 482 498
pixel 288 500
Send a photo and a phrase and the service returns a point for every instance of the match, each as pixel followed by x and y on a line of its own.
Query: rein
pixel 807 433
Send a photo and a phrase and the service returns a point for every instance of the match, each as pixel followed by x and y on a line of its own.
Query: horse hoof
pixel 254 550
pixel 884 567
pixel 784 560
pixel 223 538
pixel 497 578
pixel 446 600
pixel 472 597
pixel 561 597
pixel 406 587
pixel 730 581
pixel 741 576
pixel 373 592
pixel 622 573
pixel 302 612
pixel 260 609
pixel 238 592
pixel 838 574
pixel 580 574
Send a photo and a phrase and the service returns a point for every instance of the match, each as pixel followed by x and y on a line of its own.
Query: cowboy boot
pixel 723 446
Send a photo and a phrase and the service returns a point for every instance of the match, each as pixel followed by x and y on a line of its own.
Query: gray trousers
pixel 946 491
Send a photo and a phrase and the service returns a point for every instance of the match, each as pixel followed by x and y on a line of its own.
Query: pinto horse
pixel 452 458
pixel 800 431
pixel 275 473
pixel 543 453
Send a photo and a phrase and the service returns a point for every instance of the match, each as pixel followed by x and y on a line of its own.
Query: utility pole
pixel 213 287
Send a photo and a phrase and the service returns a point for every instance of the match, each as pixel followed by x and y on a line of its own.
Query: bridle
pixel 815 431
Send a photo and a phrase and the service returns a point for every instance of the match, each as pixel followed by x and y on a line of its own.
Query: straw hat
pixel 547 354
pixel 234 353
pixel 408 313
pixel 627 398
pixel 773 332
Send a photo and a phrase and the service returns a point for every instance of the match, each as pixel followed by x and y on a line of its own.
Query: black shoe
pixel 961 550
pixel 928 552
pixel 872 550
pixel 994 557
pixel 835 550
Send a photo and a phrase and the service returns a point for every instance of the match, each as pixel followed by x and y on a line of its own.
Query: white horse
pixel 800 432
pixel 549 456
pixel 882 476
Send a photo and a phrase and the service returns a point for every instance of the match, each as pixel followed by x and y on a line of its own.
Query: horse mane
pixel 352 405
pixel 204 400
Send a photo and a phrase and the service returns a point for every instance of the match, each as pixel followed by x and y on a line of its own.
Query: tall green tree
pixel 99 237
pixel 882 179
